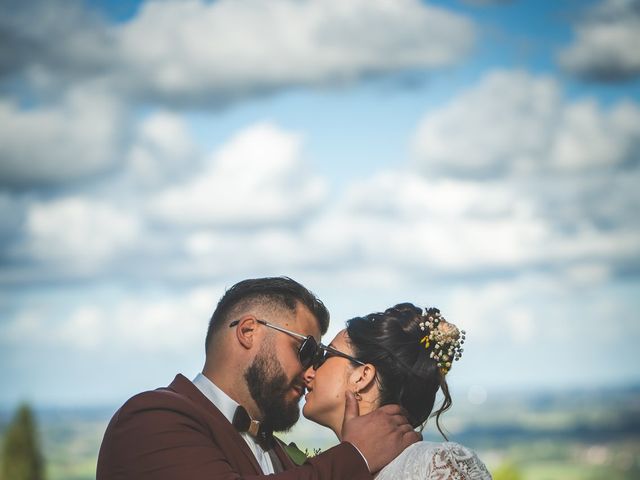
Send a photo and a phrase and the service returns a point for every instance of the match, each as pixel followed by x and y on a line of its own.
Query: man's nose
pixel 308 375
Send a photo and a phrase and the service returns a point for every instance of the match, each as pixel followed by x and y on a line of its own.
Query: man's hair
pixel 280 292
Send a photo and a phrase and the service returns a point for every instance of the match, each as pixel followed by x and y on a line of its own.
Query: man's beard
pixel 269 386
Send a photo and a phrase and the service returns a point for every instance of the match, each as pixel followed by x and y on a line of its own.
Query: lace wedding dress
pixel 438 461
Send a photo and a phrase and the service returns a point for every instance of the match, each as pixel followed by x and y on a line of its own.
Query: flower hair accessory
pixel 444 338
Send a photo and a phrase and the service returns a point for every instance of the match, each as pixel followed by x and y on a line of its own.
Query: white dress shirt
pixel 228 406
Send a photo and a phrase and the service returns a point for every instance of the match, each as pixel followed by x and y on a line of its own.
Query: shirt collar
pixel 221 400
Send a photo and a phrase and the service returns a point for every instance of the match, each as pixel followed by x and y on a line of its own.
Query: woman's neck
pixel 364 406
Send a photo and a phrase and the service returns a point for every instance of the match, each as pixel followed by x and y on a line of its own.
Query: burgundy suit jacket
pixel 177 433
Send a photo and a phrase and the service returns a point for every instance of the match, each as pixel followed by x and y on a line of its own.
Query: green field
pixel 569 435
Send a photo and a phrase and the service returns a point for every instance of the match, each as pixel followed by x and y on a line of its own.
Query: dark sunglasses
pixel 308 349
pixel 326 352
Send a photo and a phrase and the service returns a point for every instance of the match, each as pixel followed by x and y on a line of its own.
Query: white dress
pixel 431 460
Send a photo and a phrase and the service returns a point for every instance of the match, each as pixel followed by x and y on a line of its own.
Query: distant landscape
pixel 581 434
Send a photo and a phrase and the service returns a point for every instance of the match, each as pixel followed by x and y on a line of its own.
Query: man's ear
pixel 362 377
pixel 245 331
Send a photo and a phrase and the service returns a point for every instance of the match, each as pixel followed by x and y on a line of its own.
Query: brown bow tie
pixel 243 423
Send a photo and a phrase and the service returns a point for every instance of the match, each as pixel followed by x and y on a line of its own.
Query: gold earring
pixel 357 395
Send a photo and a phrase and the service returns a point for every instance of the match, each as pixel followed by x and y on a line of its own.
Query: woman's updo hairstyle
pixel 406 373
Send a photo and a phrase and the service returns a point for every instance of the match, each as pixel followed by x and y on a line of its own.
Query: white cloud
pixel 25 326
pixel 389 227
pixel 418 198
pixel 521 325
pixel 398 226
pixel 517 123
pixel 606 45
pixel 257 178
pixel 440 226
pixel 82 133
pixel 502 124
pixel 85 329
pixel 12 208
pixel 81 232
pixel 540 321
pixel 81 45
pixel 549 182
pixel 587 137
pixel 60 143
pixel 525 311
pixel 201 53
pixel 216 51
pixel 588 273
pixel 255 194
pixel 163 150
pixel 487 311
pixel 485 3
pixel 435 228
pixel 194 53
pixel 173 323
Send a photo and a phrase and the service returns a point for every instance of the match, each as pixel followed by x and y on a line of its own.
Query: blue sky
pixel 478 156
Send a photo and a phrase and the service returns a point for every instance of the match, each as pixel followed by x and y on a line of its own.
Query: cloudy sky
pixel 479 156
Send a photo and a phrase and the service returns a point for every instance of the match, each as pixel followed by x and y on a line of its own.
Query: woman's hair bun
pixel 407 372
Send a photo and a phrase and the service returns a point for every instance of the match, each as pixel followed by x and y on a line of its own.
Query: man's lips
pixel 299 389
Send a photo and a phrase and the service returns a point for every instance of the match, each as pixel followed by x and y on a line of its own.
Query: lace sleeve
pixel 441 461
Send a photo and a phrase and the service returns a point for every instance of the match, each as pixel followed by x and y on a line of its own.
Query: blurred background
pixel 475 155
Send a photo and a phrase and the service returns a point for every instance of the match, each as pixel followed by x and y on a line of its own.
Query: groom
pixel 261 337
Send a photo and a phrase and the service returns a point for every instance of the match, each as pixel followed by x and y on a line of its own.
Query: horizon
pixel 459 394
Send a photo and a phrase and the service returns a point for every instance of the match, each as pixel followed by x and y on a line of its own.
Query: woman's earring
pixel 357 395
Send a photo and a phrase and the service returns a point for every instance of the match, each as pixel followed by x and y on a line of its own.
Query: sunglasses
pixel 326 352
pixel 308 348
pixel 310 353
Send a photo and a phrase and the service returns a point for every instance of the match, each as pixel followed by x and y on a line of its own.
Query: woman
pixel 400 356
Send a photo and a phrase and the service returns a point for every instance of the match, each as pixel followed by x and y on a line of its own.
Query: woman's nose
pixel 309 375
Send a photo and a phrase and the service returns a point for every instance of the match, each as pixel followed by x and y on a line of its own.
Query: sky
pixel 482 157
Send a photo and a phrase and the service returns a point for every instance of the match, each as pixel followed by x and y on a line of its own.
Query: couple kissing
pixel 374 385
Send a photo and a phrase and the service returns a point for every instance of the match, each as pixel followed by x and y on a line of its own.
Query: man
pixel 261 337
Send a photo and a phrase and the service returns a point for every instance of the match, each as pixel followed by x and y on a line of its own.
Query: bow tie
pixel 244 423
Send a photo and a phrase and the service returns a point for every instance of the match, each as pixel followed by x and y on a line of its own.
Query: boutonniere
pixel 295 454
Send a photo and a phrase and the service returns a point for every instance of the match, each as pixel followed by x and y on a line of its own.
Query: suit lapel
pixel 229 439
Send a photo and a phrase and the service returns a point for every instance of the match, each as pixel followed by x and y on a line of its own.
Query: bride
pixel 400 356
